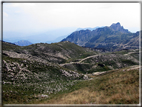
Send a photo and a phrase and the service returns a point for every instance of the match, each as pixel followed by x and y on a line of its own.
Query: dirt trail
pixel 89 57
pixel 133 67
pixel 93 56
pixel 122 69
pixel 130 53
pixel 80 60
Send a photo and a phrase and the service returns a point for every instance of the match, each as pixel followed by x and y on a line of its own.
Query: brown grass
pixel 120 87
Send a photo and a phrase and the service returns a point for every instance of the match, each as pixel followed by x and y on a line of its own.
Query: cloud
pixel 47 16
pixel 22 4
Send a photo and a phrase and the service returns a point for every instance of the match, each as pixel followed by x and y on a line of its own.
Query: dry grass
pixel 120 87
pixel 80 96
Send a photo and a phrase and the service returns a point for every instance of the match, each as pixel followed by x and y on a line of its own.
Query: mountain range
pixel 37 37
pixel 110 38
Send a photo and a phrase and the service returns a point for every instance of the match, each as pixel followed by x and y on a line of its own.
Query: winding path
pixel 93 56
pixel 81 60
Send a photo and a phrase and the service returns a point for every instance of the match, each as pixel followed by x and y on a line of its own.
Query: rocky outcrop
pixel 15 71
pixel 98 73
pixel 70 74
pixel 85 77
pixel 24 56
pixel 118 27
pixel 74 75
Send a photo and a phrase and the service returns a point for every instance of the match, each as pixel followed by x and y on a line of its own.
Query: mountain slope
pixel 53 53
pixel 114 87
pixel 79 37
pixel 28 77
pixel 109 38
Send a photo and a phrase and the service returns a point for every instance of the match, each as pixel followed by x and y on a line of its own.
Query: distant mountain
pixel 118 27
pixel 88 28
pixel 23 43
pixel 110 38
pixel 37 37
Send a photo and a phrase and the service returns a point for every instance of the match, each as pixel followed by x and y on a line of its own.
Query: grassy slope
pixel 117 87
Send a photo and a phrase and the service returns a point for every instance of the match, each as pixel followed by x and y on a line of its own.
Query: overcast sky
pixel 41 17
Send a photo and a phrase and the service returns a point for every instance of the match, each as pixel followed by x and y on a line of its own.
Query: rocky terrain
pixel 103 62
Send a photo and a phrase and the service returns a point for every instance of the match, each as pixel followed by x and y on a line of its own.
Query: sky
pixel 53 20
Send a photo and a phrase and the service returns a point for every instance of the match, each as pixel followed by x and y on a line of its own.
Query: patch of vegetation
pixel 129 62
pixel 27 93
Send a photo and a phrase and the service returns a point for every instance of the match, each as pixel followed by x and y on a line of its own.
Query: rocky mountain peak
pixel 117 27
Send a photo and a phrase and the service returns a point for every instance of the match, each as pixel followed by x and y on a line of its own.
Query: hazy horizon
pixel 49 21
